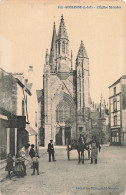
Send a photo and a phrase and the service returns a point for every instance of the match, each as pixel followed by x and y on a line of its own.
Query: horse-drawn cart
pixel 76 145
pixel 70 147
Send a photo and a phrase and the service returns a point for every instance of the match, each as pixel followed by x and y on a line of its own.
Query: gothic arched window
pixel 63 47
pixel 63 112
pixel 59 47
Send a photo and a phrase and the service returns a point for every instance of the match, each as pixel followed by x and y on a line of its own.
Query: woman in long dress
pixel 19 168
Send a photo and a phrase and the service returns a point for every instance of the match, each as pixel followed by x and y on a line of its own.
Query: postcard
pixel 62 97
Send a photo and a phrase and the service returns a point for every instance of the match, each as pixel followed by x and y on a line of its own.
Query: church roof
pixel 82 51
pixel 62 30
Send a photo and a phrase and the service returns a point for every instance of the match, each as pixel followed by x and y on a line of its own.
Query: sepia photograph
pixel 62 97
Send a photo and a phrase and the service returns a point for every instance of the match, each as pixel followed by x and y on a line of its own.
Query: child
pixel 9 166
pixel 35 164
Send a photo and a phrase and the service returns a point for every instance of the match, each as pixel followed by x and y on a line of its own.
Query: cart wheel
pixel 68 151
pixel 68 154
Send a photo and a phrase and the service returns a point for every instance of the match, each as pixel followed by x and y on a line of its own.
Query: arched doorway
pixel 64 117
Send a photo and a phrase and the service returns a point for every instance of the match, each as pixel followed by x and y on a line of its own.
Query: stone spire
pixel 83 84
pixel 46 65
pixel 62 45
pixel 62 30
pixel 53 48
pixel 47 57
pixel 82 51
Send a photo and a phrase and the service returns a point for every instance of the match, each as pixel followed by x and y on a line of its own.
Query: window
pixel 114 104
pixel 63 47
pixel 115 137
pixel 114 90
pixel 59 47
pixel 63 112
pixel 115 120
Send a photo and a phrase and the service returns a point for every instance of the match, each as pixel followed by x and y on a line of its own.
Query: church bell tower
pixel 62 49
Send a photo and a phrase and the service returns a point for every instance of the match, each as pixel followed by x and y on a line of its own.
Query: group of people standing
pixel 92 146
pixel 20 168
pixel 17 164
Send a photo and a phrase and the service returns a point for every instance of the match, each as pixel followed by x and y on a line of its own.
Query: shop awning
pixel 30 130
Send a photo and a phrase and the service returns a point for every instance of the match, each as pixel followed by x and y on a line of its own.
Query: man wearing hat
pixel 32 151
pixel 51 150
pixel 94 149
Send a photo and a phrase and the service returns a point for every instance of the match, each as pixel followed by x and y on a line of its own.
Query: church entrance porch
pixel 62 133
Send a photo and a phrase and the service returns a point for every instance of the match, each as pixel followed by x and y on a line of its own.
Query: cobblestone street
pixel 68 177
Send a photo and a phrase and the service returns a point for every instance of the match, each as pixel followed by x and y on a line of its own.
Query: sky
pixel 26 28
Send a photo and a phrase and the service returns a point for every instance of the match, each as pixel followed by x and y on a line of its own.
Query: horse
pixel 81 146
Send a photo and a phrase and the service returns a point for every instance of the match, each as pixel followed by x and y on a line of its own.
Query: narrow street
pixel 68 177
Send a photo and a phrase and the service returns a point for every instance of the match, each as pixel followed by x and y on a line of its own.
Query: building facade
pixel 13 114
pixel 66 93
pixel 117 109
pixel 18 112
pixel 32 106
pixel 31 110
pixel 100 122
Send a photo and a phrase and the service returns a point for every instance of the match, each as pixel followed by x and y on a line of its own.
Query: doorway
pixel 59 136
pixel 68 134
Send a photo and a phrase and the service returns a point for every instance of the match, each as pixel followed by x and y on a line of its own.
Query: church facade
pixel 66 92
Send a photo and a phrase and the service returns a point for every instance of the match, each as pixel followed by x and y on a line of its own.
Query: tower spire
pixel 53 38
pixel 53 50
pixel 62 33
pixel 47 58
pixel 101 98
pixel 82 51
pixel 62 51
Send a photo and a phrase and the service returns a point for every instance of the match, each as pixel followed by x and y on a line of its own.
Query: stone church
pixel 66 92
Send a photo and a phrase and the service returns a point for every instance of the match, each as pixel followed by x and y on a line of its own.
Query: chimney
pixel 26 81
pixel 30 74
pixel 30 69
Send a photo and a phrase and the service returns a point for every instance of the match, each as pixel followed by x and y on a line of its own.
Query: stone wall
pixel 8 92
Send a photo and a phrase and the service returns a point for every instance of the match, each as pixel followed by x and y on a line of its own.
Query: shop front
pixel 115 137
pixel 12 129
